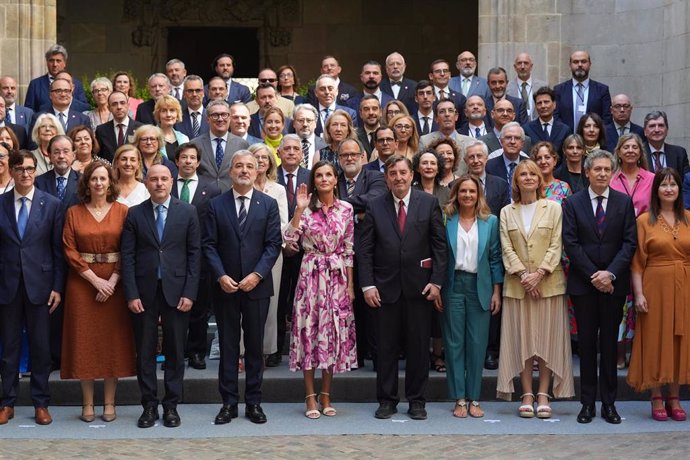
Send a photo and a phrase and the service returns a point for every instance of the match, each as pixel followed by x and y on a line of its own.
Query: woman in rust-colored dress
pixel 97 341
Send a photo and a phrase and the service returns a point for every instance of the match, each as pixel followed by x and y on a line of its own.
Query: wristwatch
pixel 612 276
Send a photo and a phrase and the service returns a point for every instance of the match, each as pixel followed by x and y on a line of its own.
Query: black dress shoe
pixel 491 363
pixel 417 410
pixel 148 417
pixel 608 413
pixel 274 359
pixel 171 418
pixel 226 414
pixel 586 414
pixel 197 361
pixel 386 410
pixel 255 414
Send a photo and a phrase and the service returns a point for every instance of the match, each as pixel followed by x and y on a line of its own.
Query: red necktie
pixel 402 216
pixel 120 134
pixel 290 190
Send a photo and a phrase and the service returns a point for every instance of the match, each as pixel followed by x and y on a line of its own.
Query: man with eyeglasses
pixel 446 119
pixel 193 122
pixel 304 126
pixel 60 106
pixel 218 145
pixel 34 274
pixel 76 104
pixel 506 159
pixel 385 148
pixel 502 113
pixel 424 98
pixel 269 77
pixel 621 111
pixel 467 83
pixel 498 84
pixel 117 131
pixel 440 76
pixel 39 88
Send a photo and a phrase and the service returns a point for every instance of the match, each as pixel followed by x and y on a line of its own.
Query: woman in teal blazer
pixel 472 291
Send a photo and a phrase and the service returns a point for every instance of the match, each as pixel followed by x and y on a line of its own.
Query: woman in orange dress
pixel 660 272
pixel 97 341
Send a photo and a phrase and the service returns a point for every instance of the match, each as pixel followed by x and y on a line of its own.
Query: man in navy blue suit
pixel 370 77
pixel 193 122
pixel 423 113
pixel 498 85
pixel 241 122
pixel 14 113
pixel 31 284
pixel 266 97
pixel 61 106
pixel 326 92
pixel 224 67
pixel 621 111
pixel 581 95
pixel 331 67
pixel 396 85
pixel 39 88
pixel 241 243
pixel 113 134
pixel 159 86
pixel 161 262
pixel 599 237
pixel 439 75
pixel 659 153
pixel 546 127
pixel 76 104
pixel 18 131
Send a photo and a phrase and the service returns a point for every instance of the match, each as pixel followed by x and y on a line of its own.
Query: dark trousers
pixel 37 317
pixel 197 337
pixel 174 323
pixel 232 312
pixel 598 317
pixel 364 320
pixel 56 319
pixel 493 346
pixel 286 295
pixel 409 320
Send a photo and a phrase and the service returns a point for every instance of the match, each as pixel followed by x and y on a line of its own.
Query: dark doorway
pixel 197 46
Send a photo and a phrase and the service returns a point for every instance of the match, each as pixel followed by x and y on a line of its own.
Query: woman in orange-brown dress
pixel 97 341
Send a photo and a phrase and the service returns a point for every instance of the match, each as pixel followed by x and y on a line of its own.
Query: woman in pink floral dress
pixel 323 324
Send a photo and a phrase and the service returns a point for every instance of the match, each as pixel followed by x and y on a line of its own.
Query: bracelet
pixel 522 274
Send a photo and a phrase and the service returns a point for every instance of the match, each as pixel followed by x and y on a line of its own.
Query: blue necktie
pixel 242 216
pixel 477 133
pixel 22 218
pixel 61 188
pixel 511 170
pixel 8 118
pixel 63 121
pixel 160 220
pixel 220 153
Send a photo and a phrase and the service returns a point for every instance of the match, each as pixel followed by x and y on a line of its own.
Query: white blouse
pixel 528 211
pixel 467 249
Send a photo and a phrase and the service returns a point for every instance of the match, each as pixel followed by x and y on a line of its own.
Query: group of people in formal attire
pixel 460 223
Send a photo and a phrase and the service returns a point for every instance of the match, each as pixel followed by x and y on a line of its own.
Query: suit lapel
pixel 390 208
pixel 35 214
pixel 482 237
pixel 256 201
pixel 412 210
pixel 538 214
pixel 10 213
pixel 150 219
pixel 516 215
pixel 587 204
pixel 452 235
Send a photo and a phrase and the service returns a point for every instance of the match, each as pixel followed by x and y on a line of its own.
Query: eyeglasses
pixel 285 76
pixel 28 170
pixel 383 140
pixel 268 80
pixel 622 106
pixel 148 140
pixel 219 116
pixel 348 156
pixel 304 121
pixel 194 90
pixel 61 91
pixel 100 90
pixel 441 71
pixel 402 127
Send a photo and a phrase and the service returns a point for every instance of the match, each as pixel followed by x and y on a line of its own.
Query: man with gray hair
pixel 193 121
pixel 176 72
pixel 326 92
pixel 504 160
pixel 38 92
pixel 396 85
pixel 159 86
pixel 304 125
pixel 659 153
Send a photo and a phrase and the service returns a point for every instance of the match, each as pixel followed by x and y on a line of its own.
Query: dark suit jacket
pixel 20 132
pixel 302 178
pixel 364 139
pixel 589 252
pixel 676 158
pixel 38 92
pixel 23 117
pixel 255 126
pixel 406 93
pixel 144 113
pixel 390 260
pixel 229 251
pixel 458 99
pixel 345 92
pixel 496 193
pixel 521 115
pixel 77 106
pixel 492 142
pixel 354 101
pixel 74 118
pixel 319 129
pixel 559 131
pixel 238 92
pixel 105 134
pixel 369 185
pixel 612 134
pixel 497 167
pixel 433 127
pixel 177 256
pixel 373 166
pixel 38 257
pixel 206 190
pixel 598 101
pixel 185 126
pixel 48 184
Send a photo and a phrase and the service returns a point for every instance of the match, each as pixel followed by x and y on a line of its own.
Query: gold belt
pixel 107 258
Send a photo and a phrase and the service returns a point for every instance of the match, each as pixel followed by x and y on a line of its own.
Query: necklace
pixel 668 229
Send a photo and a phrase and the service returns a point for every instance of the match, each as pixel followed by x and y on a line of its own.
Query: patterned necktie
pixel 8 117
pixel 350 187
pixel 305 153
pixel 425 128
pixel 120 134
pixel 160 220
pixel 242 215
pixel 22 217
pixel 63 121
pixel 441 95
pixel 61 188
pixel 511 170
pixel 621 131
pixel 325 112
pixel 184 193
pixel 657 161
pixel 477 133
pixel 402 216
pixel 195 124
pixel 177 93
pixel 600 215
pixel 290 190
pixel 523 92
pixel 220 153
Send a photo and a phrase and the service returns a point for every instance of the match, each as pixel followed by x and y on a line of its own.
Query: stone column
pixel 29 28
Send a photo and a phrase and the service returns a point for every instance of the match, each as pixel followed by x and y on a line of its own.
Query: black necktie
pixel 425 128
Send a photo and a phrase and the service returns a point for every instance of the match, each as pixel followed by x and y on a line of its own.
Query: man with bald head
pixel 269 77
pixel 621 110
pixel 524 86
pixel 580 94
pixel 396 85
pixel 467 83
pixel 475 113
pixel 14 113
pixel 331 67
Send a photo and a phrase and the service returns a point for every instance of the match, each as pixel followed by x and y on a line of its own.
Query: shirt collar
pixel 166 203
pixel 406 199
pixel 29 195
pixel 236 195
pixel 195 177
pixel 593 196
pixel 585 84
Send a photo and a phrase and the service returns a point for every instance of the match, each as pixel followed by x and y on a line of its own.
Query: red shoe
pixel 676 413
pixel 659 415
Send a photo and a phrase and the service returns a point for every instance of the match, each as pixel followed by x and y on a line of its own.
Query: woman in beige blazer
pixel 535 319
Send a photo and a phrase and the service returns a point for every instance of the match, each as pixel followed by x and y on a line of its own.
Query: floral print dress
pixel 323 322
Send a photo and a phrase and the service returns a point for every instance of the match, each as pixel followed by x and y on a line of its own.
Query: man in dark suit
pixel 396 85
pixel 240 121
pixel 370 77
pixel 290 175
pixel 224 67
pixel 266 97
pixel 546 127
pixel 76 104
pixel 358 187
pixel 423 113
pixel 218 145
pixel 590 95
pixel 193 121
pixel 659 153
pixel 402 263
pixel 32 281
pixel 241 243
pixel 39 88
pixel 497 79
pixel 475 113
pixel 439 75
pixel 326 93
pixel 304 125
pixel 14 113
pixel 159 86
pixel 385 146
pixel 60 106
pixel 502 114
pixel 621 111
pixel 512 140
pixel 370 121
pixel 18 131
pixel 116 132
pixel 599 237
pixel 331 67
pixel 198 191
pixel 467 83
pixel 161 241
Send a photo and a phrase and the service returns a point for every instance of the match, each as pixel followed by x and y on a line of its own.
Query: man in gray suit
pixel 218 145
pixel 467 82
pixel 523 86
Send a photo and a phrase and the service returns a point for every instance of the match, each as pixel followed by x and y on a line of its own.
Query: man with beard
pixel 159 86
pixel 467 83
pixel 475 112
pixel 523 85
pixel 266 97
pixel 370 114
pixel 498 82
pixel 371 80
pixel 581 95
pixel 304 125
pixel 176 72
pixel 224 67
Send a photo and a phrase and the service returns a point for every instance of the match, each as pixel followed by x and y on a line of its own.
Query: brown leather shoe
pixel 43 416
pixel 6 414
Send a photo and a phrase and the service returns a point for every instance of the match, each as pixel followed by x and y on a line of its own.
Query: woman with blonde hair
pixel 167 112
pixel 149 141
pixel 128 176
pixel 46 127
pixel 338 128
